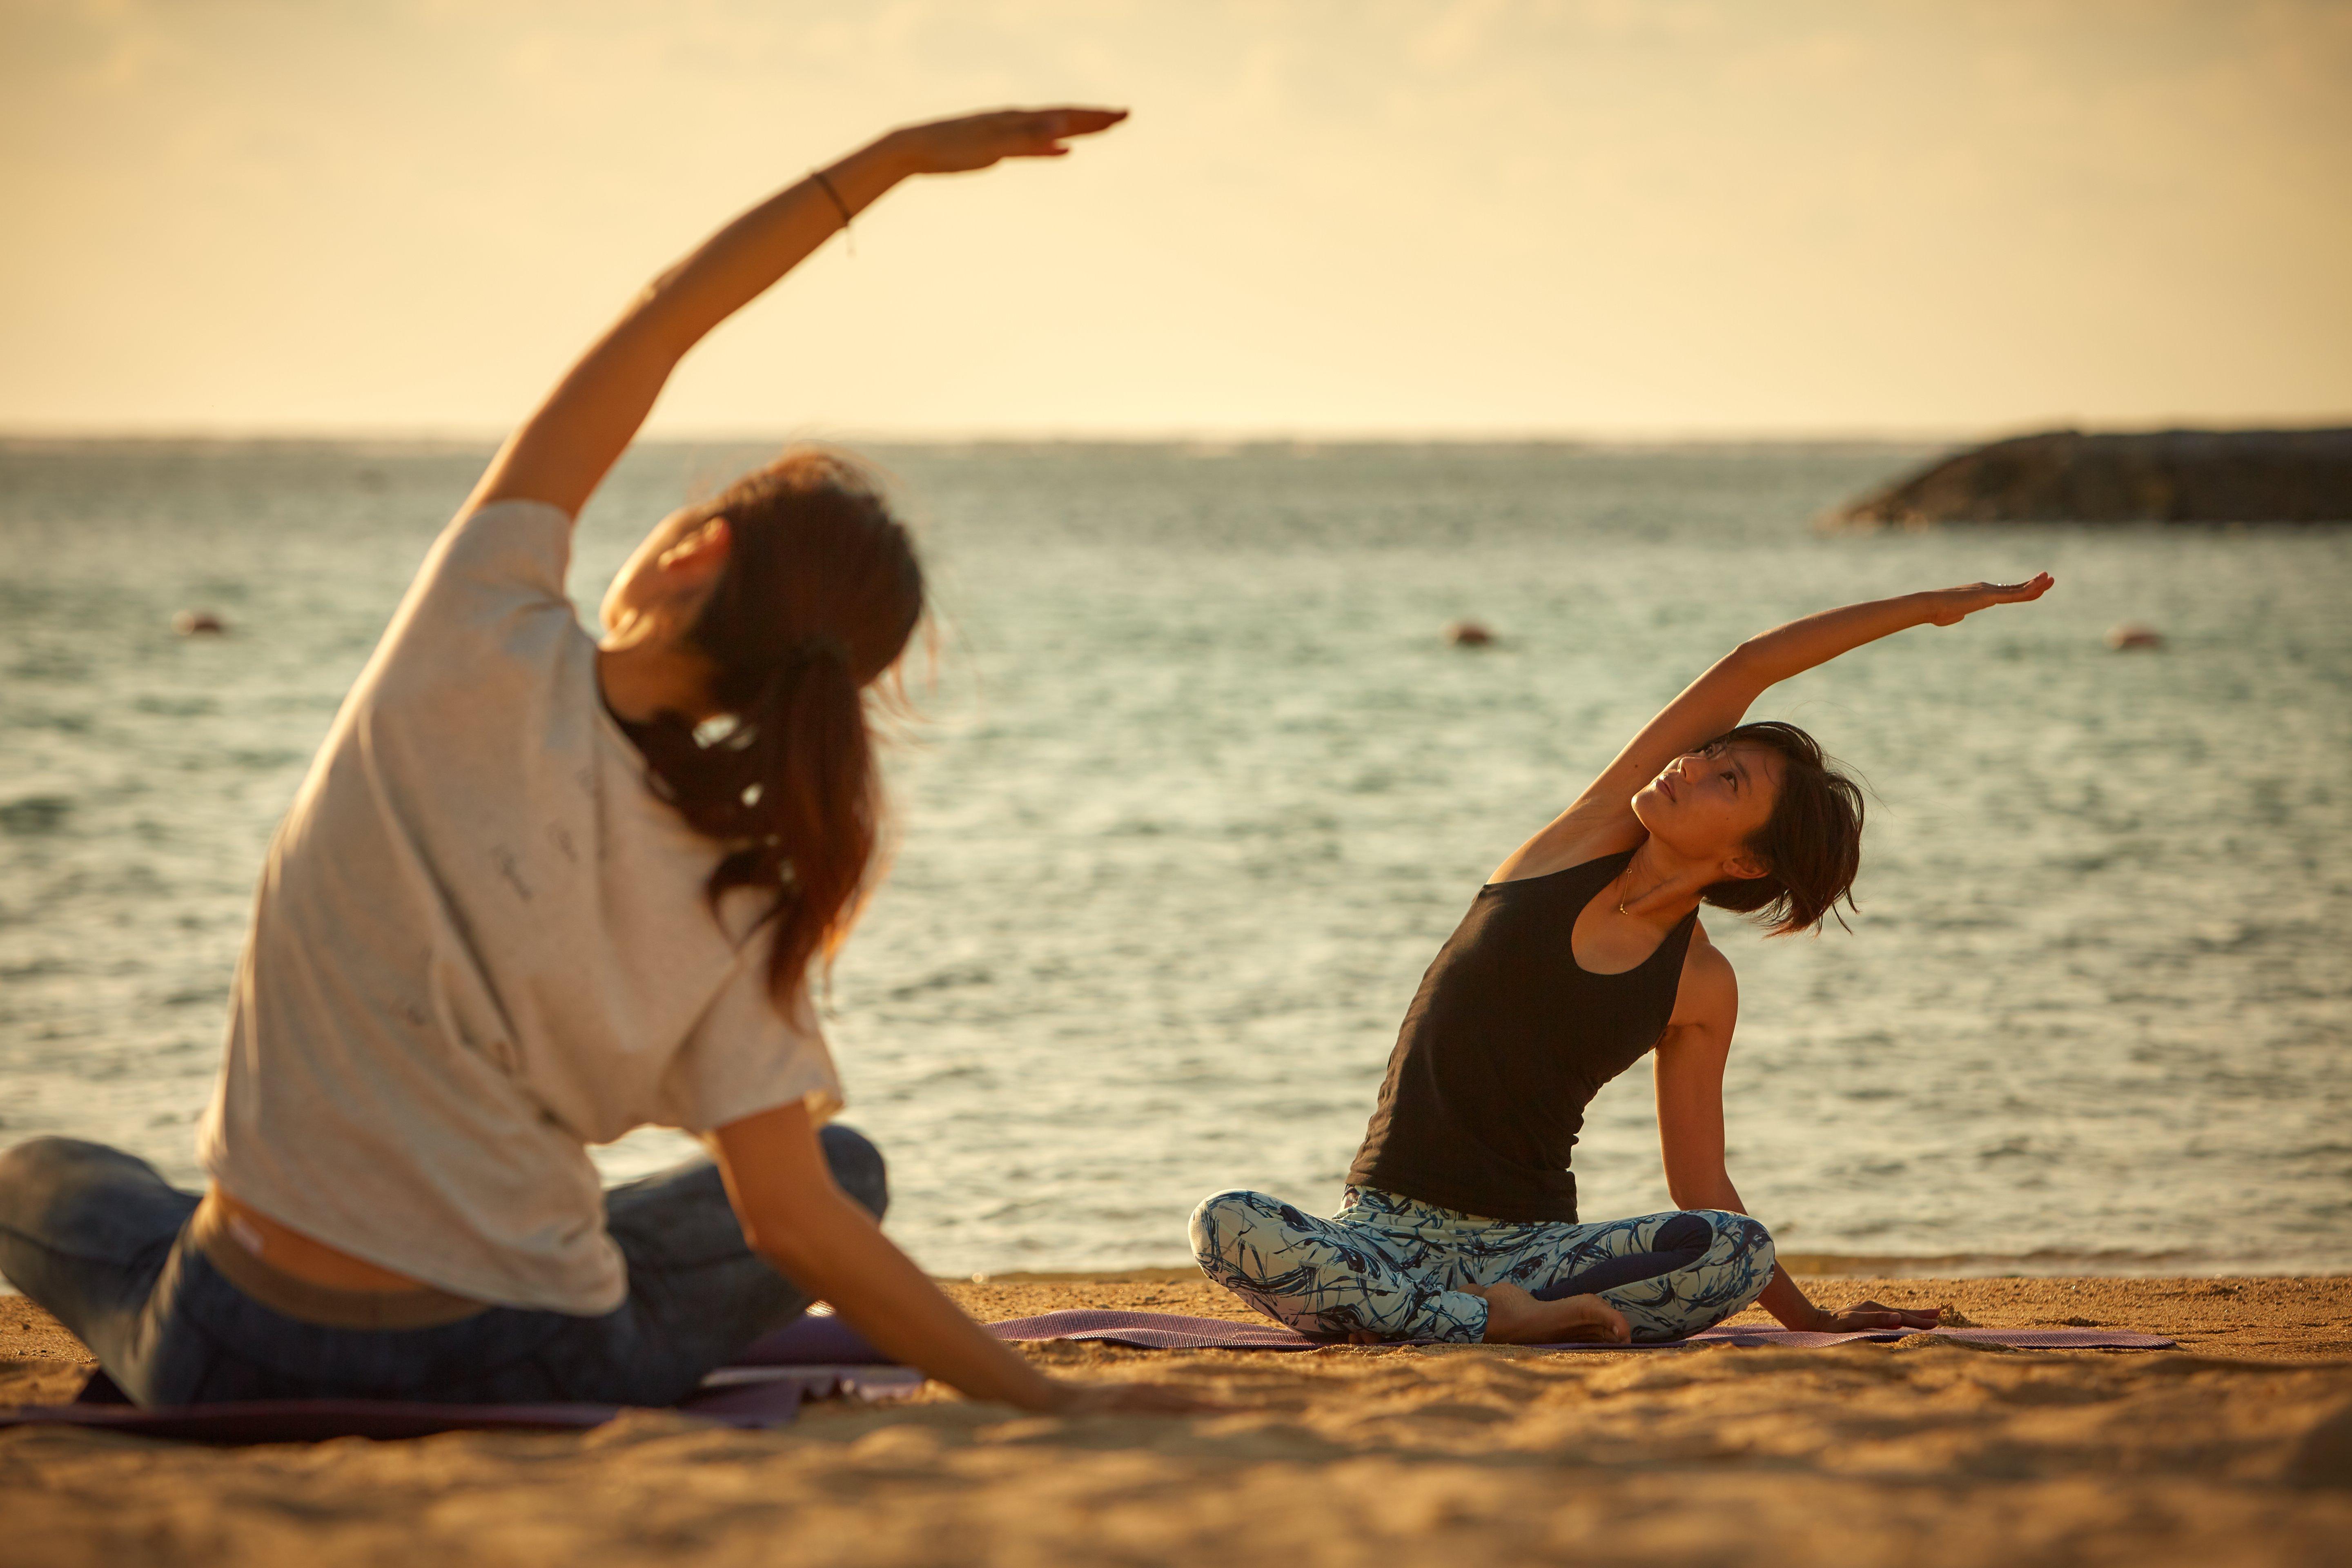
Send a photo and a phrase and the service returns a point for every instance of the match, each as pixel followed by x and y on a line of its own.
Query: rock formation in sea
pixel 2163 476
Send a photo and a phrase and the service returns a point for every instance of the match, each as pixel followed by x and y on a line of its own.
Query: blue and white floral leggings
pixel 1395 1267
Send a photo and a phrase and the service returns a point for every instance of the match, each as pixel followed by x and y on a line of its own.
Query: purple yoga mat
pixel 1161 1331
pixel 733 1396
pixel 822 1357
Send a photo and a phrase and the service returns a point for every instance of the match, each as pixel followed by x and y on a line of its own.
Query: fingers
pixel 1077 121
pixel 1044 130
pixel 1879 1315
pixel 2019 593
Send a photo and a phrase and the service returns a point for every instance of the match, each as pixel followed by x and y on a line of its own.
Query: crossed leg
pixel 1670 1274
pixel 1391 1268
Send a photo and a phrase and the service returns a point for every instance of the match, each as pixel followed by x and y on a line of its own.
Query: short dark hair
pixel 1811 844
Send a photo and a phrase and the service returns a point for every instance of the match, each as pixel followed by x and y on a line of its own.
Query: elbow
pixel 1751 668
pixel 1703 1195
pixel 793 1255
pixel 798 1239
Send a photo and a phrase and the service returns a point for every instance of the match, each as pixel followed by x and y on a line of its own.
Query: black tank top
pixel 1504 1045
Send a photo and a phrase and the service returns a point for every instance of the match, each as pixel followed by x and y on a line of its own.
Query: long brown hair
pixel 819 596
pixel 1811 845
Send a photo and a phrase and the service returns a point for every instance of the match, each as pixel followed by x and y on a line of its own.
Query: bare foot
pixel 1516 1318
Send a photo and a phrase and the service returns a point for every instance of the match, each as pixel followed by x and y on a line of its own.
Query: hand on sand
pixel 976 141
pixel 1951 605
pixel 1516 1318
pixel 1133 1399
pixel 1873 1315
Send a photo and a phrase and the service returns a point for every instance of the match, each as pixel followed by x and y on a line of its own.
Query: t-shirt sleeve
pixel 509 549
pixel 744 1055
pixel 490 594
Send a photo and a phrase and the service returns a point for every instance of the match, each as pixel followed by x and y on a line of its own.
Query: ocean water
pixel 1202 789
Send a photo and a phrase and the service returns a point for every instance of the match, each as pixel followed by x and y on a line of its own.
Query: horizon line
pixel 1209 437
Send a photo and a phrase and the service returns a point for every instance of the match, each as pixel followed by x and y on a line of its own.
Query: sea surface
pixel 1202 788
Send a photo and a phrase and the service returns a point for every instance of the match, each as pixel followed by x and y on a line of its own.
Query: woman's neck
pixel 1659 887
pixel 643 680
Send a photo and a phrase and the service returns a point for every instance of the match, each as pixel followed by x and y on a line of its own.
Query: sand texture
pixel 2235 1449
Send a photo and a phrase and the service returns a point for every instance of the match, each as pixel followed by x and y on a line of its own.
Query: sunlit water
pixel 1205 789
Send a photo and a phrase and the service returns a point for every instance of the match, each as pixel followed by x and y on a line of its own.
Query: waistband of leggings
pixel 267 1285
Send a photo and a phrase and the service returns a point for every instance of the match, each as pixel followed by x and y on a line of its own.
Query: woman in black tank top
pixel 1581 955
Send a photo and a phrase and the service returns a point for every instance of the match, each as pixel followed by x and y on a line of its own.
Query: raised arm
pixel 1601 820
pixel 564 451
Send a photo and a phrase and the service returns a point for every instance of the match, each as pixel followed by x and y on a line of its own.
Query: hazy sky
pixel 1602 217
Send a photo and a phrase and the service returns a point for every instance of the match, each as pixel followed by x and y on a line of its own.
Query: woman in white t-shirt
pixel 519 908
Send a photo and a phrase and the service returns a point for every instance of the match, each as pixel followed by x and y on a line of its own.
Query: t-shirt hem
pixel 492 1291
pixel 1461 1200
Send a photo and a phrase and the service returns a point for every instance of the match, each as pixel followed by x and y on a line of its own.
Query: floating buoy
pixel 1468 634
pixel 2132 635
pixel 198 624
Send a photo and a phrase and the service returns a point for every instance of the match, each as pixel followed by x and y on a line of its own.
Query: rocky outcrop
pixel 2166 476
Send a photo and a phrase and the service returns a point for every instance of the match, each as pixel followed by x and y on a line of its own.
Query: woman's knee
pixel 39 1174
pixel 857 1166
pixel 1740 1256
pixel 1739 1236
pixel 1224 1225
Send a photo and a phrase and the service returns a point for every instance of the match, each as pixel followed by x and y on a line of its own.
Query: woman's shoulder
pixel 1710 984
pixel 487 610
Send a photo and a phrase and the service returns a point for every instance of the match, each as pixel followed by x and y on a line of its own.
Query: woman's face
pixel 1708 804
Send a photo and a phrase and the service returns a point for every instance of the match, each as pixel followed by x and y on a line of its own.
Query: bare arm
pixel 1689 1078
pixel 564 451
pixel 1602 821
pixel 795 1216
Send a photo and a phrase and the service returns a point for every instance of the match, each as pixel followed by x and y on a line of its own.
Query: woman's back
pixel 481 943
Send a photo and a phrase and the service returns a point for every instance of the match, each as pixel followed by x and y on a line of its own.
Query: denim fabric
pixel 1396 1267
pixel 97 1237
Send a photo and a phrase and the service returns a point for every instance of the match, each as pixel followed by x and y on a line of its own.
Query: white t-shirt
pixel 481 944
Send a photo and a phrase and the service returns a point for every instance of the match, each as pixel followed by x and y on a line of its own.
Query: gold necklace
pixel 1631 898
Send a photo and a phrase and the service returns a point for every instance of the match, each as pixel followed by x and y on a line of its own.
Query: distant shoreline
pixel 1207 445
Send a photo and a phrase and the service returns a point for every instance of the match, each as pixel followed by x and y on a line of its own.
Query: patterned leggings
pixel 1395 1267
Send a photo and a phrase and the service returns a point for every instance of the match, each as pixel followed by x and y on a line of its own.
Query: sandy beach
pixel 2236 1448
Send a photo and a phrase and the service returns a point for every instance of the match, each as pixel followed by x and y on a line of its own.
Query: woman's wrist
pixel 894 151
pixel 864 176
pixel 1033 1390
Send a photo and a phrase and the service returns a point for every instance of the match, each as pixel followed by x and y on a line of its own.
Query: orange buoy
pixel 1468 634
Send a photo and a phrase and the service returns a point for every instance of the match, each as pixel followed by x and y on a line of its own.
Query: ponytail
pixel 819 597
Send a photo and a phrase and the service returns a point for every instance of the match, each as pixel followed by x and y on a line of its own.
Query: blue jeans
pixel 97 1237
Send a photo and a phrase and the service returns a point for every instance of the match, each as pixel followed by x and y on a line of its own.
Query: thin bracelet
pixel 818 175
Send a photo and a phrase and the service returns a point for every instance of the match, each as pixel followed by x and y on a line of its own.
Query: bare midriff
pixel 288 1251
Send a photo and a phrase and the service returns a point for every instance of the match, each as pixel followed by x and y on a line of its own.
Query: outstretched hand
pixel 1950 605
pixel 1873 1315
pixel 977 141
